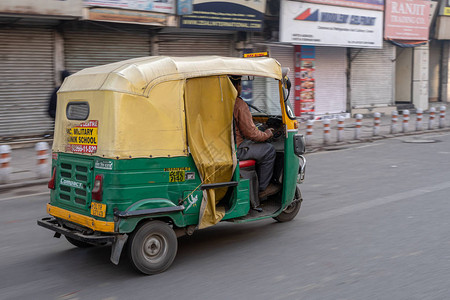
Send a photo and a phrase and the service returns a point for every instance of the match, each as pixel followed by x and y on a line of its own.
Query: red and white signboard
pixel 407 20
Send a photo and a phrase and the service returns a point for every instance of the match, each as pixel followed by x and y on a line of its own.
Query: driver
pixel 251 143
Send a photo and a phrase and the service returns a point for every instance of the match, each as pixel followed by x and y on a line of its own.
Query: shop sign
pixel 322 25
pixel 130 16
pixel 364 4
pixel 73 8
pixel 305 59
pixel 241 15
pixel 407 20
pixel 163 6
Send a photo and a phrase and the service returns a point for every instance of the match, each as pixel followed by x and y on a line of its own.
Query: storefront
pixel 27 80
pixel 330 31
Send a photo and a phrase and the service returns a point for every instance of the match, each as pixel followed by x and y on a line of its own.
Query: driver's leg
pixel 264 154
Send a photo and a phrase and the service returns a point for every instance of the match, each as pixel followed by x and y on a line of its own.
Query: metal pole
pixel 326 131
pixel 5 158
pixel 442 116
pixel 309 132
pixel 431 119
pixel 376 123
pixel 419 116
pixel 405 120
pixel 358 126
pixel 340 133
pixel 394 122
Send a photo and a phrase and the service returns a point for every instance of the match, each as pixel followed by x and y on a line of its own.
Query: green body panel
pixel 145 183
pixel 291 167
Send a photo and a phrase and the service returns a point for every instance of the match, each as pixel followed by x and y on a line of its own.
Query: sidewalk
pixel 24 162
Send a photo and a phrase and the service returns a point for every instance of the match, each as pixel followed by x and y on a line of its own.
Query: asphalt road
pixel 374 225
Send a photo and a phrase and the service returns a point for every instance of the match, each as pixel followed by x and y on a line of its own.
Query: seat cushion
pixel 246 163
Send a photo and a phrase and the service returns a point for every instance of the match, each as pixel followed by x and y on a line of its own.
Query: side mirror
pixel 299 144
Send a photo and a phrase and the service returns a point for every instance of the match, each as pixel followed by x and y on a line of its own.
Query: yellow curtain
pixel 209 116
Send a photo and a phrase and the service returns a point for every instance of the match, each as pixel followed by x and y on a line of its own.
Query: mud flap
pixel 117 247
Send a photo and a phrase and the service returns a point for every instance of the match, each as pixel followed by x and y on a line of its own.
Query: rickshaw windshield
pixel 262 94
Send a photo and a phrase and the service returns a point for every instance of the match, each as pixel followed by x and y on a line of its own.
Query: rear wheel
pixel 292 210
pixel 153 247
pixel 79 244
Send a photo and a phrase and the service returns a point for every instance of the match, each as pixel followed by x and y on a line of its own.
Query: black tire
pixel 291 210
pixel 79 244
pixel 152 247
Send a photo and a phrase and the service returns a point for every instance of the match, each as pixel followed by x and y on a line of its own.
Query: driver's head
pixel 236 81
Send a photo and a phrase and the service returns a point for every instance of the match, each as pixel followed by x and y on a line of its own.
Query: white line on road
pixel 24 196
pixel 376 202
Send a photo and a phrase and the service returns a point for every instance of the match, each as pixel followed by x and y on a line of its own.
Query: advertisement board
pixel 73 8
pixel 242 15
pixel 322 25
pixel 130 16
pixel 305 81
pixel 407 20
pixel 364 4
pixel 163 6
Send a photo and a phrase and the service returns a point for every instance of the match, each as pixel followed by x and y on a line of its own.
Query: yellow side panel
pixel 129 126
pixel 209 113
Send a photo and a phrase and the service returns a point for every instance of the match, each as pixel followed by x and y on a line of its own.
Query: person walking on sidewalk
pixel 251 144
pixel 53 97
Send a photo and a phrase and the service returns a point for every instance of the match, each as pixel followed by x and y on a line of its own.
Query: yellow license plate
pixel 98 209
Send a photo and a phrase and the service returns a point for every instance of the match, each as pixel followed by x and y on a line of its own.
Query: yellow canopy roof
pixel 137 76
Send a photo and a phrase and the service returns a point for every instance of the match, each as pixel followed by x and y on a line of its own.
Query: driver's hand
pixel 269 131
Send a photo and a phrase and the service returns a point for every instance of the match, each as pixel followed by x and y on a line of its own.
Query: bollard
pixel 340 133
pixel 326 131
pixel 376 123
pixel 43 168
pixel 358 126
pixel 309 132
pixel 431 119
pixel 442 117
pixel 405 123
pixel 394 122
pixel 5 158
pixel 419 116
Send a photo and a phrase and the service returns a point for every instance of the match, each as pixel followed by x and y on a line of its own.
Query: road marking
pixel 24 196
pixel 376 202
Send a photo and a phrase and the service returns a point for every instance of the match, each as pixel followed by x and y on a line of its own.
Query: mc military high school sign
pixel 321 25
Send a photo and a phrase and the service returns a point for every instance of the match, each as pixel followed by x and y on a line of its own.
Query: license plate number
pixel 98 209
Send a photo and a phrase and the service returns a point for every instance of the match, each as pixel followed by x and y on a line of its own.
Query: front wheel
pixel 153 247
pixel 291 210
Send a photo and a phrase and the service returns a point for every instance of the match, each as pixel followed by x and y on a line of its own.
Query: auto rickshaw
pixel 144 153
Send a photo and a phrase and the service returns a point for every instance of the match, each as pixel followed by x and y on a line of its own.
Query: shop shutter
pixel 26 72
pixel 87 45
pixel 330 80
pixel 191 44
pixel 372 76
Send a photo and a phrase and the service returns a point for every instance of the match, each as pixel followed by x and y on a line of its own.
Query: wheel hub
pixel 154 248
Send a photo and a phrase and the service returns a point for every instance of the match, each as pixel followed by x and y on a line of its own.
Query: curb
pixel 8 186
pixel 336 145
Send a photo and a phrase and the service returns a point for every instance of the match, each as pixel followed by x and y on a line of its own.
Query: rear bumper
pixel 53 224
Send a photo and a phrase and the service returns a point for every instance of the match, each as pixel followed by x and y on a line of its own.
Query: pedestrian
pixel 53 97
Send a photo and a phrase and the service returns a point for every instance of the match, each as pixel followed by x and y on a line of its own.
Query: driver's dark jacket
pixel 244 126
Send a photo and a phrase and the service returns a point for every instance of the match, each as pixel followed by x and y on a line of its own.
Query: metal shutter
pixel 26 72
pixel 372 76
pixel 191 44
pixel 87 45
pixel 331 80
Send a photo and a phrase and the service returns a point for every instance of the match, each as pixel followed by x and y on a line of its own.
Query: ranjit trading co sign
pixel 322 25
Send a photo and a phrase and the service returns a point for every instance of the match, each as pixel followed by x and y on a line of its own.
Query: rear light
pixel 295 124
pixel 51 183
pixel 97 191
